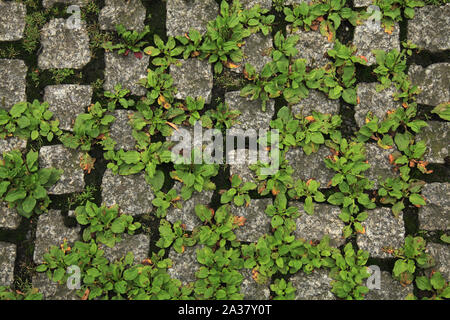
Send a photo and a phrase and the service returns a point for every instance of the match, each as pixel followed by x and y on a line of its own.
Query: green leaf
pixel 29 204
pixel 118 226
pixel 417 199
pixel 14 195
pixel 423 283
pixel 437 281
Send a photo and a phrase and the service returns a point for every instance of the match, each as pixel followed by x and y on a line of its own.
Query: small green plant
pixel 308 189
pixel 169 51
pixel 90 128
pixel 160 87
pixel 394 190
pixel 9 294
pixel 60 75
pixel 118 96
pixel 23 185
pixel 223 117
pixel 410 256
pixel 163 201
pixel 392 11
pixel 349 273
pixel 435 283
pixel 238 193
pixel 29 121
pixel 106 224
pixel 283 290
pixel 130 41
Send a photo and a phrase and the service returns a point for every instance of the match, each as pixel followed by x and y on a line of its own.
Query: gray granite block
pixel 316 101
pixel 121 131
pixel 435 215
pixel 390 289
pixel 185 264
pixel 380 167
pixel 12 20
pixel 131 14
pixel 436 139
pixel 441 255
pixel 13 85
pixel 67 101
pixel 51 231
pixel 60 157
pixel 138 244
pixel 7 260
pixel 313 286
pixel 257 222
pixel 253 290
pixel 434 81
pixel 64 47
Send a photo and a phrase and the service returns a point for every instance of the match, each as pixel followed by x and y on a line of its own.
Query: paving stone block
pixel 52 290
pixel 253 290
pixel 67 101
pixel 316 101
pixel 12 143
pixel 430 27
pixel 186 214
pixel 182 15
pixel 380 168
pixel 51 231
pixel 390 289
pixel 126 71
pixel 240 166
pixel 441 255
pixel 382 229
pixel 362 3
pixel 131 14
pixel 7 260
pixel 436 214
pixel 185 264
pixel 131 193
pixel 60 157
pixel 252 117
pixel 12 21
pixel 437 141
pixel 13 85
pixel 138 244
pixel 310 166
pixel 263 4
pixel 324 221
pixel 379 103
pixel 9 218
pixel 121 131
pixel 313 286
pixel 434 81
pixel 192 78
pixel 256 51
pixel 313 47
pixel 64 47
pixel 257 222
pixel 368 37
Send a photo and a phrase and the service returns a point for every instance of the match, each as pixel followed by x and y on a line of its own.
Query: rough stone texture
pixel 186 214
pixel 125 70
pixel 293 2
pixel 50 3
pixel 256 52
pixel 9 218
pixel 252 116
pixel 241 166
pixel 313 286
pixel 324 221
pixel 434 82
pixel 182 15
pixel 264 4
pixel 253 290
pixel 316 101
pixel 390 289
pixel 257 222
pixel 379 103
pixel 7 260
pixel 60 157
pixel 185 264
pixel 380 168
pixel 437 141
pixel 138 244
pixel 11 143
pixel 51 290
pixel 430 27
pixel 13 85
pixel 193 78
pixel 51 231
pixel 132 193
pixel 362 3
pixel 441 255
pixel 311 166
pixel 369 37
pixel 64 47
pixel 382 230
pixel 436 214
pixel 12 21
pixel 67 101
pixel 121 131
pixel 130 14
pixel 312 46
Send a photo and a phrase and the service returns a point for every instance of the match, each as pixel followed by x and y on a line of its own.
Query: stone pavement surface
pixel 65 48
